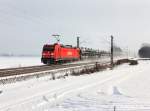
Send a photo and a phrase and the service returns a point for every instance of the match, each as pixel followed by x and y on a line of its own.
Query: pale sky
pixel 25 25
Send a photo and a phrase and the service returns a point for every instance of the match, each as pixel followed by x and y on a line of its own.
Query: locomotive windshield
pixel 48 48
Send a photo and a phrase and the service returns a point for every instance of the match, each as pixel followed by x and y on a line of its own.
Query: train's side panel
pixel 56 52
pixel 69 53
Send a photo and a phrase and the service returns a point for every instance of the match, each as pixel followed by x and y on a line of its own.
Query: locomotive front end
pixel 48 54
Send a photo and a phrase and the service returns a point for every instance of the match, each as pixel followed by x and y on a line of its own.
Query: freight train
pixel 58 53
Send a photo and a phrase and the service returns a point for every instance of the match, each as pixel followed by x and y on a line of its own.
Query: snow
pixel 125 87
pixel 14 62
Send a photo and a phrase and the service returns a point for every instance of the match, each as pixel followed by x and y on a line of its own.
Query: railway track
pixel 34 69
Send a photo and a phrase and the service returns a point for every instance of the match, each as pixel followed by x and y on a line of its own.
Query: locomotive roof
pixel 61 45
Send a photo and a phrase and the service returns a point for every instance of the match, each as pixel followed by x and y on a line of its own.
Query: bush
pixel 133 62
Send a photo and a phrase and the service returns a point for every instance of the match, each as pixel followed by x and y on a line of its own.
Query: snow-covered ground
pixel 13 62
pixel 126 88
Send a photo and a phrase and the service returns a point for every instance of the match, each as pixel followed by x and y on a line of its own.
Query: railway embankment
pixel 63 72
pixel 97 67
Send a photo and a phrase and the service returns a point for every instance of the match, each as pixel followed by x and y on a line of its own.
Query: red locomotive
pixel 57 53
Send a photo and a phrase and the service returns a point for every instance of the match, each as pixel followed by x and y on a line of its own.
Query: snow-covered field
pixel 13 62
pixel 126 88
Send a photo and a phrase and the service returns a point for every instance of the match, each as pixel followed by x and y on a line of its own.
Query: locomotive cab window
pixel 48 48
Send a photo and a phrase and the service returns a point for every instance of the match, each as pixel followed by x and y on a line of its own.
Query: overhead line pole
pixel 112 51
pixel 78 42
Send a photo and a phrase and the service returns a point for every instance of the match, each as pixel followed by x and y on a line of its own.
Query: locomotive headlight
pixel 52 54
pixel 43 54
